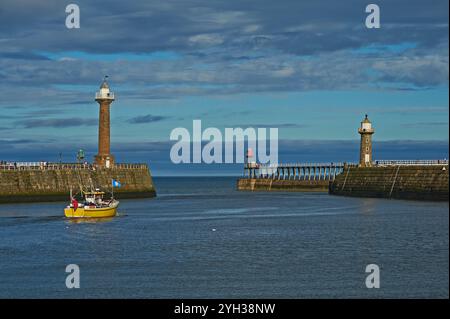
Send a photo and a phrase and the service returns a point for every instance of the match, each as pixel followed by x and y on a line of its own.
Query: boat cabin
pixel 94 198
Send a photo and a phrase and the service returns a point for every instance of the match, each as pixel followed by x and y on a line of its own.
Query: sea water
pixel 200 238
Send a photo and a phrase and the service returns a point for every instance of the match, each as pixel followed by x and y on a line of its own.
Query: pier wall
pixel 37 185
pixel 264 184
pixel 401 182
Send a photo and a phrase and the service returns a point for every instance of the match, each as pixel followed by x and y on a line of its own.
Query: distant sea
pixel 200 238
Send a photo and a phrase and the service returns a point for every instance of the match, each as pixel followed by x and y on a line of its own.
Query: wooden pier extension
pixel 299 177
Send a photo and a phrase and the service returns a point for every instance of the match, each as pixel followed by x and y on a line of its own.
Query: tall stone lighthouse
pixel 104 97
pixel 365 151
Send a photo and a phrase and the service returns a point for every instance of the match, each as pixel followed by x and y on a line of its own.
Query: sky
pixel 310 68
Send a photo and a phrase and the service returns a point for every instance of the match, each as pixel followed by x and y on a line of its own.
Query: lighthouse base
pixel 105 160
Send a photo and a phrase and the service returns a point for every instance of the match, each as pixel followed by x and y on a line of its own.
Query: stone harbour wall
pixel 54 185
pixel 419 182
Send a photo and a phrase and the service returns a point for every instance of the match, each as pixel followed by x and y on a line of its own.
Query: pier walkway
pixel 295 171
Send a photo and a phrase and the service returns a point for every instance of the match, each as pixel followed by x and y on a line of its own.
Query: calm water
pixel 201 238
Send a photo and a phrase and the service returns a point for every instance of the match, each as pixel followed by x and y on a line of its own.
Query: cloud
pixel 147 119
pixel 57 123
pixel 222 47
pixel 12 142
pixel 425 70
pixel 22 56
pixel 206 39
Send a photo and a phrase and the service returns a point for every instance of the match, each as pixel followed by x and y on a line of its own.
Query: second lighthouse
pixel 104 97
pixel 365 150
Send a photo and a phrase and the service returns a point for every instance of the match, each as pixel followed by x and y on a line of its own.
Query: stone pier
pixel 417 180
pixel 41 182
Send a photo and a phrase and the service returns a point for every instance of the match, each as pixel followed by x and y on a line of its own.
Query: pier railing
pixel 286 165
pixel 29 166
pixel 410 162
pixel 295 171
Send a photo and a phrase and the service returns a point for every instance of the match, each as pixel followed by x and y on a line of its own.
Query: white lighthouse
pixel 365 151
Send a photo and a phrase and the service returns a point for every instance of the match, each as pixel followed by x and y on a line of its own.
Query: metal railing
pixel 410 162
pixel 348 164
pixel 290 165
pixel 29 166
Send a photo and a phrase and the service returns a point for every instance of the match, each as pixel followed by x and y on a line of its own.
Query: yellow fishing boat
pixel 92 206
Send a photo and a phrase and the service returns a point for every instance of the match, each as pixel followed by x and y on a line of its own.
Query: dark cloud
pixel 11 142
pixel 22 56
pixel 147 119
pixel 57 123
pixel 222 47
pixel 115 26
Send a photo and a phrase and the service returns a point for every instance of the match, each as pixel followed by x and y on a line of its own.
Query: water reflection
pixel 90 220
pixel 368 206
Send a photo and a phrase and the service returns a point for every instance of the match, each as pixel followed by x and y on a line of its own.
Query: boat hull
pixel 70 212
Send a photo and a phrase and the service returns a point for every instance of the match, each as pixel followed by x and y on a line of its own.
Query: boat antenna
pixel 112 188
